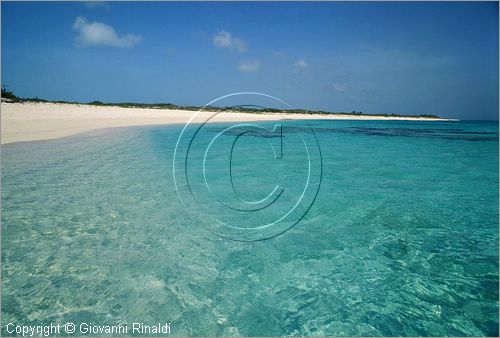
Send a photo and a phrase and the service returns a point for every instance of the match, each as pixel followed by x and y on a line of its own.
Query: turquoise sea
pixel 401 239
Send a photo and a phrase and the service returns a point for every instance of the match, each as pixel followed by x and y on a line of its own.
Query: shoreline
pixel 31 121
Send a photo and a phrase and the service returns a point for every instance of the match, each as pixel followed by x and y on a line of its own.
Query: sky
pixel 387 57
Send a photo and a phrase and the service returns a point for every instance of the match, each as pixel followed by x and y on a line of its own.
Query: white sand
pixel 43 121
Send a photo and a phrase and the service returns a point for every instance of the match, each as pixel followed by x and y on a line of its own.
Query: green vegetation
pixel 9 95
pixel 139 105
pixel 243 109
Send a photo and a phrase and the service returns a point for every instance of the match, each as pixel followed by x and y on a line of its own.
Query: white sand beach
pixel 44 121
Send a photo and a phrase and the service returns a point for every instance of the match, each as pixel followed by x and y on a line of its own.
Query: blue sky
pixel 409 58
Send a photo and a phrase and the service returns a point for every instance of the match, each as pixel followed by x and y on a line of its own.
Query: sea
pixel 286 228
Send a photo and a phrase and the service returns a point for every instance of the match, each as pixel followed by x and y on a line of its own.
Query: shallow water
pixel 401 239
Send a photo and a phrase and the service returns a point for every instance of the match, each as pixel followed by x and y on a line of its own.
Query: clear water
pixel 402 238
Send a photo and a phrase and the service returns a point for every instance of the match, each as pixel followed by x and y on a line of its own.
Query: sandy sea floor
pixel 401 238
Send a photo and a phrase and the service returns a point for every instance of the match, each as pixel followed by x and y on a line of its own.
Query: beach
pixel 43 121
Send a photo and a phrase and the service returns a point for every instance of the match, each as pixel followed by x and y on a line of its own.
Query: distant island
pixel 8 96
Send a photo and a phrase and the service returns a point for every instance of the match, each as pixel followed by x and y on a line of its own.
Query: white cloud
pixel 279 55
pixel 249 66
pixel 339 87
pixel 99 34
pixel 96 4
pixel 225 39
pixel 300 65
